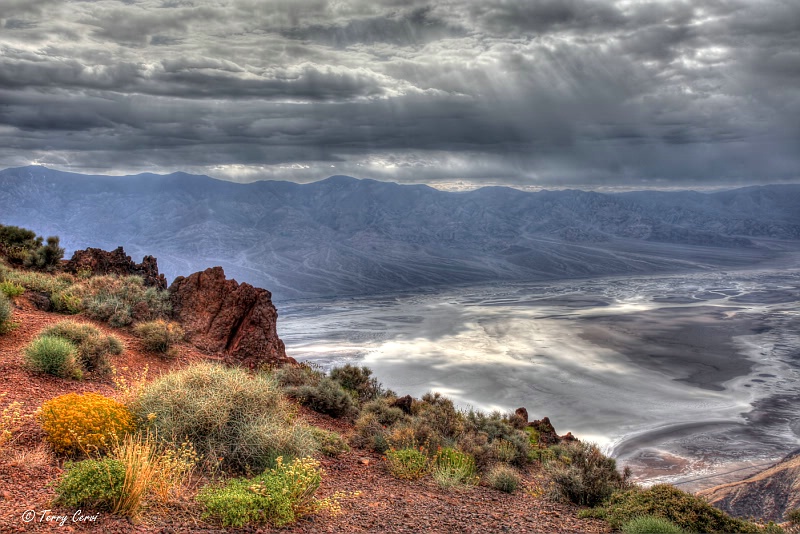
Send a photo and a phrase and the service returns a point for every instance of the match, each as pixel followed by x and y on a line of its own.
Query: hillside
pixel 343 235
pixel 386 504
pixel 769 494
pixel 382 503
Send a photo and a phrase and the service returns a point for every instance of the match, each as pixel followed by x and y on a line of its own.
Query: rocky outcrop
pixel 547 433
pixel 237 321
pixel 97 261
pixel 767 495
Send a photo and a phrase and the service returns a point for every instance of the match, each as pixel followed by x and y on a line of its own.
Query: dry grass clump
pixel 504 478
pixel 159 335
pixel 120 300
pixel 53 355
pixel 241 421
pixel 93 346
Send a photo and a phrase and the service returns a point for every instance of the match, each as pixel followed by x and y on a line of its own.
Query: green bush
pixel 159 335
pixel 326 397
pixel 243 421
pixel 583 475
pixel 504 478
pixel 329 443
pixel 46 257
pixel 493 437
pixel 93 346
pixel 96 484
pixel 290 376
pixel 452 467
pixel 408 463
pixel 11 289
pixel 5 311
pixel 280 496
pixel 119 300
pixel 14 236
pixel 53 355
pixel 357 380
pixel 688 512
pixel 370 433
pixel 651 524
pixel 793 516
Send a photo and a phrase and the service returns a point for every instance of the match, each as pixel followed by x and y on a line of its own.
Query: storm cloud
pixel 519 92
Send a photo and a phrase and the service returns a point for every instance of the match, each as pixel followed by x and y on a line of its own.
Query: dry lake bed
pixel 690 379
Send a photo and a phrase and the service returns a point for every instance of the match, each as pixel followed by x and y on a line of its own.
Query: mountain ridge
pixel 344 235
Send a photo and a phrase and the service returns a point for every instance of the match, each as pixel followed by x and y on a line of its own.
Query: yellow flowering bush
pixel 87 423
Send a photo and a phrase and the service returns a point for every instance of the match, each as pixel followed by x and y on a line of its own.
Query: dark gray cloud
pixel 526 92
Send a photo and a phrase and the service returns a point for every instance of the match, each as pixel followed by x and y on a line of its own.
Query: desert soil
pixel 376 501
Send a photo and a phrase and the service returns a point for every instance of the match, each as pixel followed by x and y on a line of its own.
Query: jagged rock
pixel 98 261
pixel 404 403
pixel 225 317
pixel 522 413
pixel 547 433
pixel 568 437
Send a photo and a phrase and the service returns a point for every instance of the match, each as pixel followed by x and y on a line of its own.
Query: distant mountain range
pixel 347 236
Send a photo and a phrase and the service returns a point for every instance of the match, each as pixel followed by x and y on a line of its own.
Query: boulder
pixel 98 262
pixel 237 321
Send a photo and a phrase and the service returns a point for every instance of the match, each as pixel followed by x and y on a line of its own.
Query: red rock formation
pixel 547 433
pixel 98 261
pixel 225 317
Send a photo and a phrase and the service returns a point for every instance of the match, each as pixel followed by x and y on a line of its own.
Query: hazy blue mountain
pixel 343 235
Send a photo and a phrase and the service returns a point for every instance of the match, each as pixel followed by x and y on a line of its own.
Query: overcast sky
pixel 526 92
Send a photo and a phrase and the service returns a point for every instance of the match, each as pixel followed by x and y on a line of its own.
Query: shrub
pixel 87 423
pixel 683 509
pixel 452 467
pixel 92 345
pixel 326 397
pixel 5 313
pixel 53 355
pixel 504 478
pixel 242 420
pixel 14 237
pixel 11 289
pixel 370 433
pixel 46 257
pixel 159 335
pixel 583 475
pixel 280 496
pixel 793 516
pixel 40 282
pixel 651 524
pixel 408 463
pixel 120 300
pixel 358 381
pixel 385 414
pixel 97 484
pixel 495 427
pixel 290 376
pixel 329 443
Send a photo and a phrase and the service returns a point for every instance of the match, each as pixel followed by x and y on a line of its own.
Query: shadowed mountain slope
pixel 342 235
